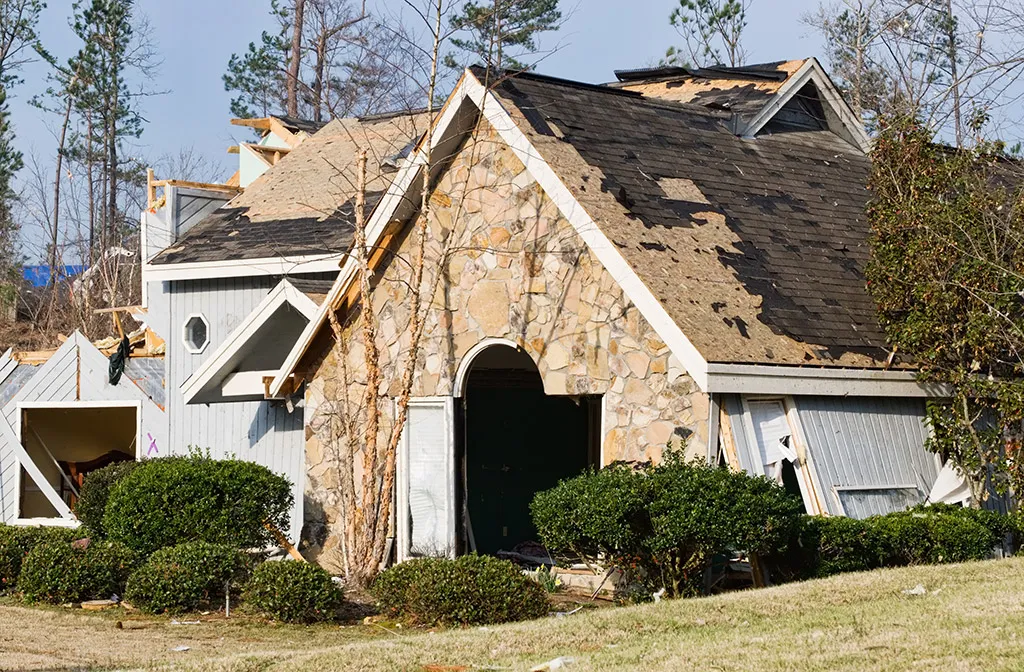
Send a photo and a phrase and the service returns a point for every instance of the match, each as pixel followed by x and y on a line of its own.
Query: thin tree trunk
pixel 954 75
pixel 318 80
pixel 55 228
pixel 295 60
pixel 92 189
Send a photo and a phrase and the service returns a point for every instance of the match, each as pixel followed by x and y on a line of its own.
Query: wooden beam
pixel 133 310
pixel 728 442
pixel 278 129
pixel 196 185
pixel 283 542
pixel 262 123
pixel 233 149
pixel 150 188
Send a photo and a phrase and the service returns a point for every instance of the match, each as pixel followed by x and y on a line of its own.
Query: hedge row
pixel 469 590
pixel 923 535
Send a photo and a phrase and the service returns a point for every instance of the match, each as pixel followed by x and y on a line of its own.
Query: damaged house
pixel 673 258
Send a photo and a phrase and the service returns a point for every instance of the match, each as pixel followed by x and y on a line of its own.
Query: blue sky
pixel 195 40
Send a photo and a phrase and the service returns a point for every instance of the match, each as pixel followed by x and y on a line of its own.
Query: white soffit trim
pixel 283 293
pixel 621 271
pixel 811 71
pixel 761 379
pixel 242 268
pixel 381 216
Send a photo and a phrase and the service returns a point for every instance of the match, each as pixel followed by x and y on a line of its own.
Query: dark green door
pixel 518 442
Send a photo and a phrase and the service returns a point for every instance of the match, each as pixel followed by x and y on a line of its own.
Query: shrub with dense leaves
pixel 924 535
pixel 471 589
pixel 664 523
pixel 183 577
pixel 16 542
pixel 92 501
pixel 295 592
pixel 169 501
pixel 58 571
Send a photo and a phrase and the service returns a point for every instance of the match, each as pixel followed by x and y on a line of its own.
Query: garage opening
pixel 517 441
pixel 66 443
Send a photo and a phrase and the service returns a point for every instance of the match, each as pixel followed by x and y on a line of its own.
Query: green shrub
pixel 169 501
pixel 181 578
pixel 92 501
pixel 16 542
pixel 470 590
pixel 58 571
pixel 925 537
pixel 663 524
pixel 839 544
pixel 293 591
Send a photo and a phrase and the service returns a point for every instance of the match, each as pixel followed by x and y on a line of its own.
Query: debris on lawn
pixel 916 590
pixel 182 647
pixel 131 625
pixel 177 622
pixel 563 614
pixel 555 664
pixel 97 605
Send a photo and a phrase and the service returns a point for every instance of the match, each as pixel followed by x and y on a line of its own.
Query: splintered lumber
pixel 196 185
pixel 97 605
pixel 284 543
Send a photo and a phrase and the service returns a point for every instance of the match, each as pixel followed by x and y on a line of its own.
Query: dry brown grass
pixel 972 618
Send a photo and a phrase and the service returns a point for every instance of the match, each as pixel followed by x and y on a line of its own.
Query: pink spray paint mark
pixel 152 445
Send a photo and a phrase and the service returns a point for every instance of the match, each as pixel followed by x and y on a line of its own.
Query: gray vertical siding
pixel 259 431
pixel 861 443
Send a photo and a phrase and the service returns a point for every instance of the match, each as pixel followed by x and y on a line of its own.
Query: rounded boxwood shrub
pixel 294 592
pixel 16 542
pixel 470 590
pixel 172 500
pixel 92 501
pixel 663 524
pixel 59 572
pixel 183 577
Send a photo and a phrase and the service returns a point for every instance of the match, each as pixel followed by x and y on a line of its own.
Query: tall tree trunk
pixel 92 188
pixel 318 78
pixel 295 60
pixel 112 219
pixel 954 75
pixel 55 227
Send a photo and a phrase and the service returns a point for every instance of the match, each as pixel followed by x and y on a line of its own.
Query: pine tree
pixel 500 32
pixel 258 76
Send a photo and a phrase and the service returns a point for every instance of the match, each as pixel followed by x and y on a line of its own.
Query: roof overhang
pixel 219 379
pixel 821 381
pixel 240 268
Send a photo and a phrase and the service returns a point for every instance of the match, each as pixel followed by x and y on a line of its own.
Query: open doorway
pixel 67 442
pixel 516 441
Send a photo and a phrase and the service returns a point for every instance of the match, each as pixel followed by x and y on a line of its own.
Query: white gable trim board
pixel 74 377
pixel 384 213
pixel 239 384
pixel 242 268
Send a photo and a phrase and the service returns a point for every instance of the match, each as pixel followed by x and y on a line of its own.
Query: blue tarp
pixel 39 276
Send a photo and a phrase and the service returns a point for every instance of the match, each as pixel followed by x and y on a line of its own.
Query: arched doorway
pixel 515 441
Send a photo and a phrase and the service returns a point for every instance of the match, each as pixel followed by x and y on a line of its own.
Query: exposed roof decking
pixel 754 247
pixel 303 205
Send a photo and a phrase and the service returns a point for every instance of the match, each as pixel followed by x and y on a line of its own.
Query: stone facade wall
pixel 502 262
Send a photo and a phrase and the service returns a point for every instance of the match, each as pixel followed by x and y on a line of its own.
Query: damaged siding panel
pixel 869 452
pixel 748 453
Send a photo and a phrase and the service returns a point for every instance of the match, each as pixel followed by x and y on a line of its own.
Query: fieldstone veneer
pixel 501 261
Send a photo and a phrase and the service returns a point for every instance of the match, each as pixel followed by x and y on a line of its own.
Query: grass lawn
pixel 971 618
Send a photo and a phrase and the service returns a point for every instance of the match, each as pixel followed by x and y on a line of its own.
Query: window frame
pixel 187 341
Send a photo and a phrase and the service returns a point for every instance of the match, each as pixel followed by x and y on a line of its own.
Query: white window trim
pixel 184 334
pixel 60 521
